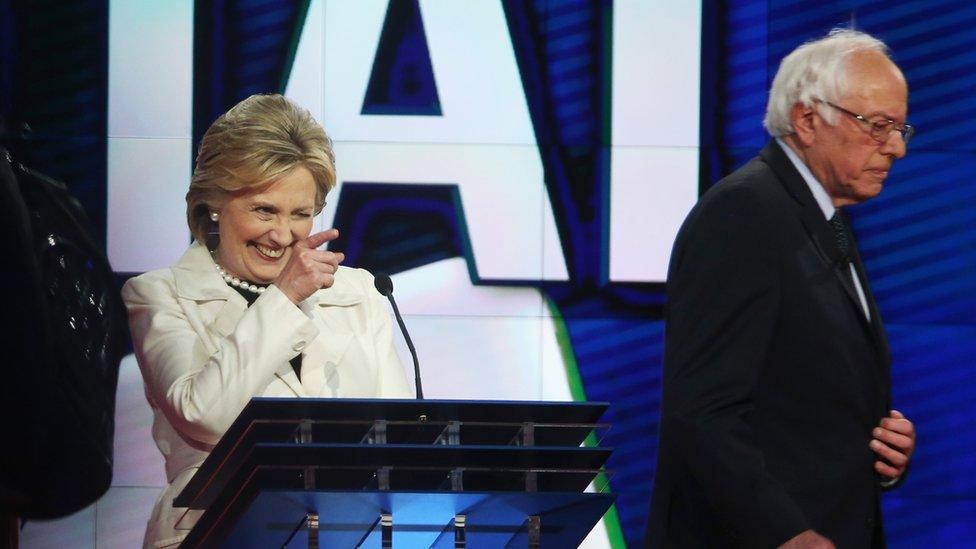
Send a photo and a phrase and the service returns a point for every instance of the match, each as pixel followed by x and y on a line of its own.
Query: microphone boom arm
pixel 413 352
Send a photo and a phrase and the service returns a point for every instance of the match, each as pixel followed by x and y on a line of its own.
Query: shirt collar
pixel 816 188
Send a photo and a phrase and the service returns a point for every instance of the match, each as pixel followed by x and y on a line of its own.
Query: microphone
pixel 385 287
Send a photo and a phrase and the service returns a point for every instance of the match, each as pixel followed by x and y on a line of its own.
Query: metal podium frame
pixel 404 473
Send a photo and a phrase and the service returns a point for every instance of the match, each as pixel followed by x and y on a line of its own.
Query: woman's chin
pixel 264 275
pixel 264 269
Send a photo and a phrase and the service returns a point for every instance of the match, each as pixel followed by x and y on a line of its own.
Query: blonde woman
pixel 253 308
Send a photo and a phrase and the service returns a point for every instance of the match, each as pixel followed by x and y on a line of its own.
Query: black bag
pixel 62 336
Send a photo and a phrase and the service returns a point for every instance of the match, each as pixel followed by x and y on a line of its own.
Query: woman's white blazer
pixel 204 353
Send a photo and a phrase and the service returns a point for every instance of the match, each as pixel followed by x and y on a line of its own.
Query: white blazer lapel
pixel 287 374
pixel 197 280
pixel 218 308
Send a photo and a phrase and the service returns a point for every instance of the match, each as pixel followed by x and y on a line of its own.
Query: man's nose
pixel 895 145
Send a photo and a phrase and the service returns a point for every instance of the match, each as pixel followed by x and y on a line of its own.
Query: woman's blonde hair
pixel 259 140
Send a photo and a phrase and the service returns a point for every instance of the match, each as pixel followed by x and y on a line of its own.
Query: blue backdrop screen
pixel 555 125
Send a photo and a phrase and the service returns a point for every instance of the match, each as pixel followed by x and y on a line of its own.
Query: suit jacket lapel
pixel 877 327
pixel 812 218
pixel 821 233
pixel 882 373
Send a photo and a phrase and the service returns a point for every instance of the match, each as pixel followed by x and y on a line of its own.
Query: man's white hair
pixel 815 70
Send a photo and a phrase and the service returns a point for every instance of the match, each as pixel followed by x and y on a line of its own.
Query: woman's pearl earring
pixel 214 216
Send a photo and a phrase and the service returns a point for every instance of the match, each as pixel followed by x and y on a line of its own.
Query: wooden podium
pixel 400 473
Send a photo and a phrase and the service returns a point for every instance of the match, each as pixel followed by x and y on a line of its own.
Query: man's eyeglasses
pixel 880 129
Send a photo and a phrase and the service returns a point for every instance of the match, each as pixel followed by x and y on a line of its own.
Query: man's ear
pixel 804 122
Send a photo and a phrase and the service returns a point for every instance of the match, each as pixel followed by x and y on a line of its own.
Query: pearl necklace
pixel 238 283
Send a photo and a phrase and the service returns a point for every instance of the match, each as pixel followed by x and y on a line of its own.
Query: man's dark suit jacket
pixel 773 376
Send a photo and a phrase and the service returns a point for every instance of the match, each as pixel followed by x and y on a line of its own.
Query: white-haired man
pixel 776 426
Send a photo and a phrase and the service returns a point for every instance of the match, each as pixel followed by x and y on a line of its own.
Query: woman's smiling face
pixel 258 226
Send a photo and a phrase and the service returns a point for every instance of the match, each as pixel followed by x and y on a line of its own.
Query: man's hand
pixel 894 442
pixel 308 269
pixel 808 539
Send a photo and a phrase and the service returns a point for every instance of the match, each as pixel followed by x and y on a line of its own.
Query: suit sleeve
pixel 202 398
pixel 723 302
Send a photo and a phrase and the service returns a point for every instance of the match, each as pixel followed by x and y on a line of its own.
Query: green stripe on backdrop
pixel 602 484
pixel 296 37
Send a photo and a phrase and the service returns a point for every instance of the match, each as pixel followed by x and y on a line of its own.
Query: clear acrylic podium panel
pixel 493 520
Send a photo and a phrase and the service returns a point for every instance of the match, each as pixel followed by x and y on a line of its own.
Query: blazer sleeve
pixel 201 397
pixel 723 301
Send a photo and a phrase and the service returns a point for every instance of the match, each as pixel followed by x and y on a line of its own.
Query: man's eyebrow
pixel 881 114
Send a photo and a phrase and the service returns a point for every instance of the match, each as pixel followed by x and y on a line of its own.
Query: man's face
pixel 852 165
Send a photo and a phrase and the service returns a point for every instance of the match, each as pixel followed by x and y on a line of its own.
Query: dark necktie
pixel 841 237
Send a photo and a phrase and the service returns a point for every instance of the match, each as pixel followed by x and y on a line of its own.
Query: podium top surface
pixel 496 411
pixel 263 409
